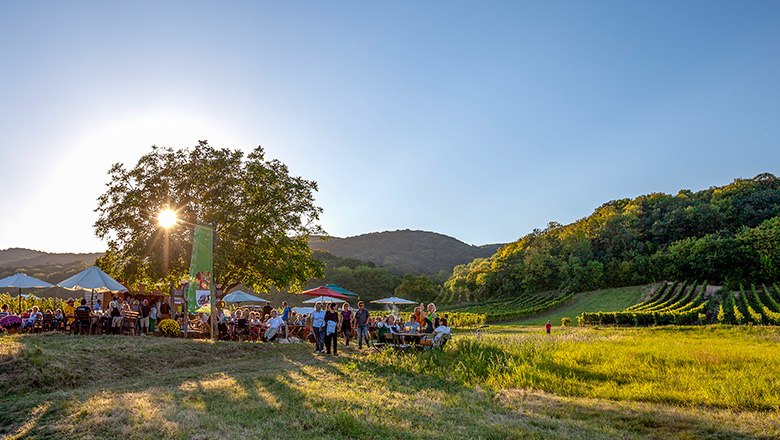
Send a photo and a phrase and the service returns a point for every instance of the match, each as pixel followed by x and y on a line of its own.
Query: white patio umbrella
pixel 394 300
pixel 323 299
pixel 23 281
pixel 94 279
pixel 242 297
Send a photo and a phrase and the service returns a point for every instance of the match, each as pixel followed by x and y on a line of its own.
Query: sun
pixel 167 218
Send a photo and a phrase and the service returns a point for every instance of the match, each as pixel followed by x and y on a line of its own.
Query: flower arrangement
pixel 10 321
pixel 169 327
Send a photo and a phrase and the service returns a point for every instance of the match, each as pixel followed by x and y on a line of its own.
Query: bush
pixel 565 321
pixel 170 328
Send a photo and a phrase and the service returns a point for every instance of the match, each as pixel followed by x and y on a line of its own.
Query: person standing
pixel 152 317
pixel 165 310
pixel 286 311
pixel 267 310
pixel 346 323
pixel 318 327
pixel 145 310
pixel 547 327
pixel 331 329
pixel 361 319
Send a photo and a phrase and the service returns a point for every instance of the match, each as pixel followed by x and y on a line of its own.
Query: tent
pixel 324 291
pixel 323 299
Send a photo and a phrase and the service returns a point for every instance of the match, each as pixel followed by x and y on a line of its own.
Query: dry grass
pixel 163 388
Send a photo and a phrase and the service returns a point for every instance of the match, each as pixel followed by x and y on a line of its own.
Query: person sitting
pixel 68 309
pixel 82 316
pixel 29 323
pixel 242 326
pixel 441 333
pixel 56 320
pixel 412 325
pixel 97 306
pixel 4 311
pixel 273 325
pixel 382 331
pixel 116 317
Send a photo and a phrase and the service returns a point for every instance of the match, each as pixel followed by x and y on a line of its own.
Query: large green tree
pixel 261 215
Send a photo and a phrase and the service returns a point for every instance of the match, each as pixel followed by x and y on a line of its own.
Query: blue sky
pixel 480 120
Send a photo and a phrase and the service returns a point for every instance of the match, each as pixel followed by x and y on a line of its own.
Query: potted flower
pixel 11 323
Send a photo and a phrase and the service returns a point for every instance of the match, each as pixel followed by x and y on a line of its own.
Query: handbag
pixel 331 327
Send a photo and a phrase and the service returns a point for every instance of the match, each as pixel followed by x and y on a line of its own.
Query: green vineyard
pixel 514 308
pixel 692 304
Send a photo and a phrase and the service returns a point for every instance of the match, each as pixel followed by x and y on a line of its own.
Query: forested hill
pixel 24 258
pixel 721 235
pixel 402 252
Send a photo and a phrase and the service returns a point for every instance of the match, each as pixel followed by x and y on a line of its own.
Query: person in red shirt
pixel 548 326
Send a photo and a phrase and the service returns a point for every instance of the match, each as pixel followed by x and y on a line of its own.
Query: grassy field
pixel 708 382
pixel 606 300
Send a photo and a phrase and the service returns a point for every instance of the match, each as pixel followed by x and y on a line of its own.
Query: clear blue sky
pixel 480 120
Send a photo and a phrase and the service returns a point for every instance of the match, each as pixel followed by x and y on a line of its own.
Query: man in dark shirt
pixel 267 310
pixel 82 315
pixel 361 319
pixel 144 320
pixel 165 310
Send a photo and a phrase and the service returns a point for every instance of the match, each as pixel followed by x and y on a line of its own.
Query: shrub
pixel 565 321
pixel 170 328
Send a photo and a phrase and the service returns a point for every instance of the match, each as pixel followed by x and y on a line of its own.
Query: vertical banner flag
pixel 201 269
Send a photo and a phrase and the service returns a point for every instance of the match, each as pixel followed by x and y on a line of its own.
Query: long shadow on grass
pixel 283 392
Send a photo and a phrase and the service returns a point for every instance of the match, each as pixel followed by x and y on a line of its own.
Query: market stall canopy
pixel 341 290
pixel 92 278
pixel 393 300
pixel 324 291
pixel 242 297
pixel 323 299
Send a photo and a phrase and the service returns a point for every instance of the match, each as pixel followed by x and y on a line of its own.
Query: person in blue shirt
pixel 286 311
pixel 318 327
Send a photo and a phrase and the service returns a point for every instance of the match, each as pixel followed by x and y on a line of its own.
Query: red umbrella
pixel 324 291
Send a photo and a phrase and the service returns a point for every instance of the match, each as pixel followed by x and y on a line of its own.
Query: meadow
pixel 513 382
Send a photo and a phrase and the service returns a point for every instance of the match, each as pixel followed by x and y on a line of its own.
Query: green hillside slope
pixel 594 301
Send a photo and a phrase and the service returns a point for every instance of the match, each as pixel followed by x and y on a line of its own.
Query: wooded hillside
pixel 721 235
pixel 406 251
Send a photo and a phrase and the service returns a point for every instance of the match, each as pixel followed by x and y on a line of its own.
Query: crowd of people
pixel 80 317
pixel 323 326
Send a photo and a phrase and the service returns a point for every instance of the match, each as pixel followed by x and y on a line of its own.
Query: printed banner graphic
pixel 201 268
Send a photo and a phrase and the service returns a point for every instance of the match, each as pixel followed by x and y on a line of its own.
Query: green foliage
pixel 678 304
pixel 729 234
pixel 28 303
pixel 169 328
pixel 565 322
pixel 419 287
pixel 515 308
pixel 262 217
pixel 367 279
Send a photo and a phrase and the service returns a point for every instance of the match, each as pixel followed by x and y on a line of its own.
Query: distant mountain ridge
pixel 26 258
pixel 405 251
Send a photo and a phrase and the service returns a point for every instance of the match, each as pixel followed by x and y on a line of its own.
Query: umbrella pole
pixel 20 301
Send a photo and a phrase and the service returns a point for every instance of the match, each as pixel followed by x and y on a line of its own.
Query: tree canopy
pixel 727 234
pixel 261 215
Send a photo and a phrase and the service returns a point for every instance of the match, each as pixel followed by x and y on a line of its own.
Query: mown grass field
pixel 606 300
pixel 705 382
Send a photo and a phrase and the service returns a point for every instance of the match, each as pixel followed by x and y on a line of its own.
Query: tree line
pixel 725 235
